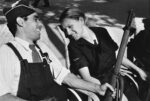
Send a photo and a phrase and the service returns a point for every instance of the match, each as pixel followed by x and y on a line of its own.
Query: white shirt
pixel 10 65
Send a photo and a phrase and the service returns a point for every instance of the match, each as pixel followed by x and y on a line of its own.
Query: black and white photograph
pixel 74 50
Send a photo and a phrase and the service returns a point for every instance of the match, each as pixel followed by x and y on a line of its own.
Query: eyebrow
pixel 36 16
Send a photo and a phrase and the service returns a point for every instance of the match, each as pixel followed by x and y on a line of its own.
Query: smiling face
pixel 73 27
pixel 32 27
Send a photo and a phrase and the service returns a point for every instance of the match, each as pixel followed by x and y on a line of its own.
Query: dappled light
pixel 75 5
pixel 101 20
pixel 49 14
pixel 111 14
pixel 100 1
pixel 80 0
pixel 97 1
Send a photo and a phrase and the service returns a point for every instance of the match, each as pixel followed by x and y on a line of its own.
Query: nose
pixel 69 31
pixel 39 24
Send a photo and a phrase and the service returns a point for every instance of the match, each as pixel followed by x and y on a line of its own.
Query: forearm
pixel 77 83
pixel 92 79
pixel 85 74
pixel 9 97
pixel 127 63
pixel 88 93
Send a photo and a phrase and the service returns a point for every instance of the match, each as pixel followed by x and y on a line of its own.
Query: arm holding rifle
pixel 120 56
pixel 127 63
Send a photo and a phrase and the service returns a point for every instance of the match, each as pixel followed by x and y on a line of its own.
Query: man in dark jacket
pixel 140 49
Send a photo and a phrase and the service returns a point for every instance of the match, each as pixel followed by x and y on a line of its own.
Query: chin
pixel 38 35
pixel 37 38
pixel 77 38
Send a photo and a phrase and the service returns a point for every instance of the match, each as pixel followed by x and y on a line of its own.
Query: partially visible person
pixel 29 71
pixel 36 2
pixel 140 50
pixel 92 52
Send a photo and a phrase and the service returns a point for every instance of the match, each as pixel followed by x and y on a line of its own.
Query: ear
pixel 20 21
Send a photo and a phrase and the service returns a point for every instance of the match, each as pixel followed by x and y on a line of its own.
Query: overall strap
pixel 43 54
pixel 15 50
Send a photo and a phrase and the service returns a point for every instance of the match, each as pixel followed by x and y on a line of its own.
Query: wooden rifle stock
pixel 120 55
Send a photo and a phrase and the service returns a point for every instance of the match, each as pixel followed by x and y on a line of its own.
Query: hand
pixel 124 70
pixel 93 97
pixel 104 87
pixel 142 74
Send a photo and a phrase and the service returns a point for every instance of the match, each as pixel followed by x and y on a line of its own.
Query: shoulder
pixel 6 53
pixel 5 49
pixel 103 35
pixel 98 29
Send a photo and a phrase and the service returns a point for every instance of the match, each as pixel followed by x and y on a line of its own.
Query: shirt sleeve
pixel 4 89
pixel 76 57
pixel 6 70
pixel 57 69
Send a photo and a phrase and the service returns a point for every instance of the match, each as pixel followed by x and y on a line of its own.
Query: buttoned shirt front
pixel 10 65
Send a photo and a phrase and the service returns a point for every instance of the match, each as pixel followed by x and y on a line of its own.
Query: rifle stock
pixel 120 55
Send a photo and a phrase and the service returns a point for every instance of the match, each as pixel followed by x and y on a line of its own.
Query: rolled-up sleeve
pixel 77 59
pixel 57 69
pixel 59 72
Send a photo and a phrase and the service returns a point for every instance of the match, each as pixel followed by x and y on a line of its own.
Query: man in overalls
pixel 29 71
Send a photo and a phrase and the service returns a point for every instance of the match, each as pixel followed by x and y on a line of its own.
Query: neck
pixel 22 36
pixel 89 35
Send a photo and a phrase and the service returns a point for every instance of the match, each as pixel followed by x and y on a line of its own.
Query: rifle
pixel 120 55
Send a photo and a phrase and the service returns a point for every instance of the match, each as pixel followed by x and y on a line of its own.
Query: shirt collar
pixel 82 41
pixel 24 43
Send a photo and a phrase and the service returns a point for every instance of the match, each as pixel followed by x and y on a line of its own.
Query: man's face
pixel 32 27
pixel 74 27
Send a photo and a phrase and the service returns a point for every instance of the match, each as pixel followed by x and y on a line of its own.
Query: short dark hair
pixel 12 26
pixel 19 9
pixel 73 13
pixel 146 22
